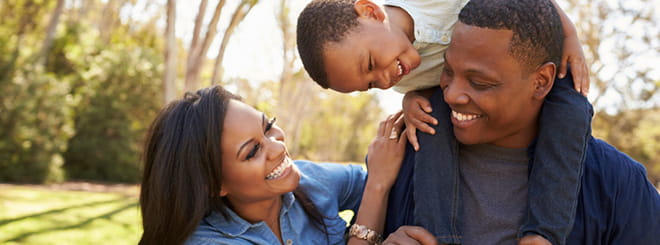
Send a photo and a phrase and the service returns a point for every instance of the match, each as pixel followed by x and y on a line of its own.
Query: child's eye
pixel 253 152
pixel 371 66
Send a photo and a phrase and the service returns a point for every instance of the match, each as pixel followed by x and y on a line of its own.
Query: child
pixel 349 45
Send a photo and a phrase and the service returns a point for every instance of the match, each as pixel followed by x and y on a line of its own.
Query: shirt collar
pixel 236 226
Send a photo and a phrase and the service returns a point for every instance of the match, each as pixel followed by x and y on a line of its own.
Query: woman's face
pixel 255 162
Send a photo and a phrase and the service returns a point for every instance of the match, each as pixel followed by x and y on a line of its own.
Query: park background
pixel 80 81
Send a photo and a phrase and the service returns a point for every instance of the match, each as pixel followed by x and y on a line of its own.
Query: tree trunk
pixel 169 79
pixel 196 62
pixel 50 32
pixel 239 14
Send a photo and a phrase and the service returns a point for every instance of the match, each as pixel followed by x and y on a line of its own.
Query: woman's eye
pixel 253 152
pixel 270 124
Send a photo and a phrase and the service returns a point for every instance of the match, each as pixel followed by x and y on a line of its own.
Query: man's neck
pixel 401 20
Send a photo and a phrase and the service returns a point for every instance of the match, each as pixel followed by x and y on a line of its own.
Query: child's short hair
pixel 322 22
pixel 537 29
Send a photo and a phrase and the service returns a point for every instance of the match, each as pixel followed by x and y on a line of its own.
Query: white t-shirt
pixel 434 22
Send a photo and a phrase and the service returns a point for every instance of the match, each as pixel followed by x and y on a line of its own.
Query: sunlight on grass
pixel 33 215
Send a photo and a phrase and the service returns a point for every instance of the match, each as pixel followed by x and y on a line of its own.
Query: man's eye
pixel 448 72
pixel 253 152
pixel 480 86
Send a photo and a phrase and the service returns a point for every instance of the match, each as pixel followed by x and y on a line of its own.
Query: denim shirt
pixel 331 187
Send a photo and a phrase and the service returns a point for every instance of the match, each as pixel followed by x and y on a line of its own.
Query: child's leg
pixel 436 176
pixel 556 170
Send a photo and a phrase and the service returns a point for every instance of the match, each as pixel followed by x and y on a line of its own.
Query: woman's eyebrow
pixel 263 120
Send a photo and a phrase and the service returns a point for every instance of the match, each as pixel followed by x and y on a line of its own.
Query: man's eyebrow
pixel 263 120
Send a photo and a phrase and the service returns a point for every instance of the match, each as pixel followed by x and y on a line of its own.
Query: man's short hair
pixel 537 29
pixel 322 22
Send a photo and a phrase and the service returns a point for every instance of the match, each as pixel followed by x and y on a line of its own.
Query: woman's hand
pixel 386 151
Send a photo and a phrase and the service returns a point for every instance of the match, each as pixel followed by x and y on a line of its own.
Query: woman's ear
pixel 544 78
pixel 369 9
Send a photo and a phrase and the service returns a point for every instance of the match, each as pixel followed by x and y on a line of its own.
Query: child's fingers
pixel 422 126
pixel 425 104
pixel 562 66
pixel 584 74
pixel 412 138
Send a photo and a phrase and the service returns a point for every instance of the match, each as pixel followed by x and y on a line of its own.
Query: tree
pixel 169 77
pixel 50 31
pixel 241 11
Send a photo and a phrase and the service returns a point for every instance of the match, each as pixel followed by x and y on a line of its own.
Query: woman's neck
pixel 401 20
pixel 267 211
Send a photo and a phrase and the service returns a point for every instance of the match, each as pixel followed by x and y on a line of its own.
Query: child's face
pixel 373 55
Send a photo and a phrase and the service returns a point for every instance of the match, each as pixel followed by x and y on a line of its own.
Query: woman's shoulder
pixel 329 172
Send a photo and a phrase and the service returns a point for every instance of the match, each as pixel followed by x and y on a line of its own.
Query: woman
pixel 217 172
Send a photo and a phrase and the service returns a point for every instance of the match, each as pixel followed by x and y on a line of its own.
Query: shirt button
pixel 445 39
pixel 289 242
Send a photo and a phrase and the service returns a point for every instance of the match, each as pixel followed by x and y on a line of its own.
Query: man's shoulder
pixel 609 161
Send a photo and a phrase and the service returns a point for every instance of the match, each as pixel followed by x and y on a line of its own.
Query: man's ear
pixel 223 193
pixel 544 78
pixel 369 9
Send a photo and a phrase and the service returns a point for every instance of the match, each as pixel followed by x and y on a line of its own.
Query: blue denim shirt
pixel 331 187
pixel 616 205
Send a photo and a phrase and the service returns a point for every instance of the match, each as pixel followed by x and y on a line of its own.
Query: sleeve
pixel 637 214
pixel 343 183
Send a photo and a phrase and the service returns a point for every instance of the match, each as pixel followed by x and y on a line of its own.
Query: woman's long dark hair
pixel 183 167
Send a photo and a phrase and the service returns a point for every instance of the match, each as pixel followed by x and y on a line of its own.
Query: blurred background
pixel 80 81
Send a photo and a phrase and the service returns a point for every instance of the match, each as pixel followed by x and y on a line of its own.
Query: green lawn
pixel 41 215
pixel 37 215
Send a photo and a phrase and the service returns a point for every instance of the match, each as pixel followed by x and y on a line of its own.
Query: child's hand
pixel 416 109
pixel 387 150
pixel 573 55
pixel 534 240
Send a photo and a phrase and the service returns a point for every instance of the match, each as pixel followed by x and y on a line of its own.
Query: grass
pixel 38 215
pixel 46 215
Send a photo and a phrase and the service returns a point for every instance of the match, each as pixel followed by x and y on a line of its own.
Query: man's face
pixel 370 56
pixel 491 98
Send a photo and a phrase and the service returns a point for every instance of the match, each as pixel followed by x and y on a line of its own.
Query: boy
pixel 349 45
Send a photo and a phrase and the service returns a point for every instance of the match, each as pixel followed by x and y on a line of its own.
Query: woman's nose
pixel 275 146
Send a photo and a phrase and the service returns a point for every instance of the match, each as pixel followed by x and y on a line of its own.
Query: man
pixel 500 65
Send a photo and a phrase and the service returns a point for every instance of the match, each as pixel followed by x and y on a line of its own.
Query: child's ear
pixel 369 9
pixel 544 78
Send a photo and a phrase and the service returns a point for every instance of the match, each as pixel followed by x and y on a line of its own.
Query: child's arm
pixel 416 109
pixel 573 54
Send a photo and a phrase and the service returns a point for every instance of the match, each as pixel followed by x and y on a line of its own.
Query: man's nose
pixel 455 93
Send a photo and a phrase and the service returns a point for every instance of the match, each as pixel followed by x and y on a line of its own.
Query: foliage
pixel 35 215
pixel 35 106
pixel 118 100
pixel 635 132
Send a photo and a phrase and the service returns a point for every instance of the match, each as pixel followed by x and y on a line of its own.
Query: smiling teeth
pixel 277 172
pixel 398 65
pixel 464 117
